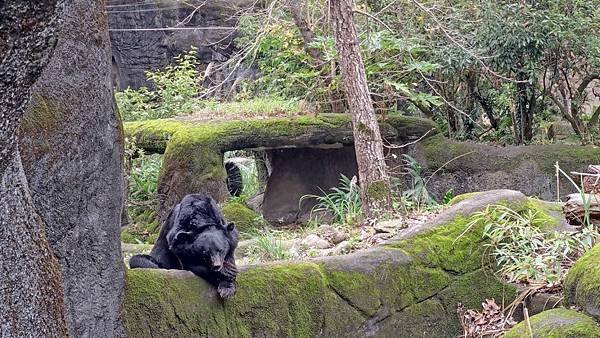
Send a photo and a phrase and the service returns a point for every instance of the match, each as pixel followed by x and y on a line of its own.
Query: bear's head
pixel 207 248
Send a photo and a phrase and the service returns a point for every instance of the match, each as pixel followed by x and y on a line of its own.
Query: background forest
pixel 510 72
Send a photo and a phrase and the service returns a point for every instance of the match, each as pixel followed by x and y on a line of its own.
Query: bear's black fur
pixel 195 237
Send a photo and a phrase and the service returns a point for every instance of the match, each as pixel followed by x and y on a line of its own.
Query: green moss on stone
pixel 358 288
pixel 43 115
pixel 278 300
pixel 582 284
pixel 556 323
pixel 462 197
pixel 378 191
pixel 244 218
pixel 417 282
pixel 444 247
pixel 484 158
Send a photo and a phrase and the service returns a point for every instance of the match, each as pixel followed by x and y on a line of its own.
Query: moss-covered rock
pixel 556 323
pixel 193 160
pixel 582 284
pixel 244 218
pixel 407 287
pixel 467 167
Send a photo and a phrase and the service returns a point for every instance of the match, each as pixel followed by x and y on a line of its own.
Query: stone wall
pixel 148 35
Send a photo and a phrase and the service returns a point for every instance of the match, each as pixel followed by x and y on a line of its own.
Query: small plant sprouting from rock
pixel 417 197
pixel 526 253
pixel 267 247
pixel 343 202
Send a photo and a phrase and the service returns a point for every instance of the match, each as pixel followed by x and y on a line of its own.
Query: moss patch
pixel 582 284
pixel 462 197
pixel 42 116
pixel 193 160
pixel 556 323
pixel 389 289
pixel 244 218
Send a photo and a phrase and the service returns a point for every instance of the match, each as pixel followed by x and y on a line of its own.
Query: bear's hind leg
pixel 143 261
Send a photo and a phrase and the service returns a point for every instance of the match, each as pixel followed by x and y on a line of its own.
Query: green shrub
pixel 343 202
pixel 176 91
pixel 523 251
pixel 267 247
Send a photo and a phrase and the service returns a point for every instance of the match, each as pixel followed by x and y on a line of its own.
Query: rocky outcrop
pixel 466 167
pixel 71 141
pixel 147 35
pixel 408 287
pixel 582 284
pixel 557 323
pixel 307 154
pixel 193 160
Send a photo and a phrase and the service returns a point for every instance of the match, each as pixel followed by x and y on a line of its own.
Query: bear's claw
pixel 226 291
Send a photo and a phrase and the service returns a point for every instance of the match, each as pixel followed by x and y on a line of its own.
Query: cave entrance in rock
pixel 272 181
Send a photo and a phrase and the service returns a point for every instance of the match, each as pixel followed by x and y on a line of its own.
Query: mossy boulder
pixel 582 284
pixel 407 287
pixel 193 160
pixel 556 323
pixel 467 167
pixel 245 219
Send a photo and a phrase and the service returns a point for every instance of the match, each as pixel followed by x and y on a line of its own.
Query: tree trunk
pixel 71 145
pixel 373 178
pixel 31 294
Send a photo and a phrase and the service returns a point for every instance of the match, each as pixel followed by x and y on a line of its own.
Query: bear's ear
pixel 230 226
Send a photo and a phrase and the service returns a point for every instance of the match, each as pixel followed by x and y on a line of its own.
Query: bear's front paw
pixel 229 270
pixel 226 290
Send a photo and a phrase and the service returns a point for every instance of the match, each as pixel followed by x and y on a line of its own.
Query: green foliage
pixel 267 247
pixel 416 197
pixel 448 196
pixel 143 171
pixel 343 202
pixel 175 91
pixel 523 251
pixel 143 178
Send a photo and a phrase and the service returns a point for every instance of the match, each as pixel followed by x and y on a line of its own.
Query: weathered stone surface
pixel 193 159
pixel 298 172
pixel 529 169
pixel 582 284
pixel 306 153
pixel 31 302
pixel 140 42
pixel 71 141
pixel 314 241
pixel 556 323
pixel 408 287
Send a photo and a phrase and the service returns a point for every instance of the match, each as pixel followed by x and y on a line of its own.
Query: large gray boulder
pixel 406 287
pixel 71 141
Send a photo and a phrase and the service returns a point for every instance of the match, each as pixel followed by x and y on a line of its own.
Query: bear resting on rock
pixel 195 237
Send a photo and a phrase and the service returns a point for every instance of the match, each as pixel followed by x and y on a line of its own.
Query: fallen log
pixel 590 181
pixel 575 208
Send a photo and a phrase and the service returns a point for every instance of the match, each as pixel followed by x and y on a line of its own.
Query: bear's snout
pixel 216 263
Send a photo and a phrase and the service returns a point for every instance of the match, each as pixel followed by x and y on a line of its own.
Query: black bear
pixel 195 237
